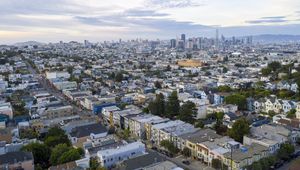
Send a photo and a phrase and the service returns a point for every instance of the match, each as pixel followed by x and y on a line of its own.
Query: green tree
pixel 220 128
pixel 219 116
pixel 271 113
pixel 56 136
pixel 57 151
pixel 187 112
pixel 264 163
pixel 186 152
pixel 291 114
pixel 157 107
pixel 237 99
pixel 172 106
pixel 119 77
pixel 169 146
pixel 266 71
pixel 94 164
pixel 69 156
pixel 199 124
pixel 274 66
pixel 224 89
pixel 257 166
pixel 40 153
pixel 285 151
pixel 216 163
pixel 239 129
pixel 157 84
pixel 28 133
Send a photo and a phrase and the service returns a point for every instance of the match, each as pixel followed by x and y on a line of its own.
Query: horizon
pixel 78 20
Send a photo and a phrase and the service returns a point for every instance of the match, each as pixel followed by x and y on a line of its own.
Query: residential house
pixel 6 109
pixel 241 158
pixel 108 158
pixel 80 134
pixel 192 141
pixel 270 136
pixel 17 160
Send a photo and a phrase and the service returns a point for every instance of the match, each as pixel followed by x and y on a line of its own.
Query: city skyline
pixel 56 20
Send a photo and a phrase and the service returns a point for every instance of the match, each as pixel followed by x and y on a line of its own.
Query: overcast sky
pixel 98 20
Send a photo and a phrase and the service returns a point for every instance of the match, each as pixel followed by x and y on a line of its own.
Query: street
pixel 56 93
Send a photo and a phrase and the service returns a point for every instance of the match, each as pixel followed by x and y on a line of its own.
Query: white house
pixel 110 157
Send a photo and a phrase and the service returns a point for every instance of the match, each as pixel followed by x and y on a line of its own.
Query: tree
pixel 266 71
pixel 168 68
pixel 199 124
pixel 224 89
pixel 157 84
pixel 28 133
pixel 119 77
pixel 40 153
pixel 285 151
pixel 187 112
pixel 94 164
pixel 264 163
pixel 69 156
pixel 257 166
pixel 172 106
pixel 216 163
pixel 169 146
pixel 274 66
pixel 220 128
pixel 219 116
pixel 237 99
pixel 225 70
pixel 291 114
pixel 239 129
pixel 157 107
pixel 186 152
pixel 57 151
pixel 56 136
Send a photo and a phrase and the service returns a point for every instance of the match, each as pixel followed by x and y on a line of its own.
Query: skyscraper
pixel 217 39
pixel 173 43
pixel 183 37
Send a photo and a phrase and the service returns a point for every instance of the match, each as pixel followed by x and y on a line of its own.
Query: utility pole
pixel 231 156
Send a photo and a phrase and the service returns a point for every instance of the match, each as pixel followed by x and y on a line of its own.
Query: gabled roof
pixel 15 157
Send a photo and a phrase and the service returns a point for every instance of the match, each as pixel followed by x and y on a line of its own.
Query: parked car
pixel 186 162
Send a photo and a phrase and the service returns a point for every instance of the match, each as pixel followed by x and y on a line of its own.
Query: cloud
pixel 174 3
pixel 266 20
pixel 274 17
pixel 143 13
pixel 142 19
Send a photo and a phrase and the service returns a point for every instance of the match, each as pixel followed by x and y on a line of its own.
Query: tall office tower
pixel 217 39
pixel 173 43
pixel 190 43
pixel 183 37
pixel 249 40
pixel 233 40
pixel 181 45
pixel 199 43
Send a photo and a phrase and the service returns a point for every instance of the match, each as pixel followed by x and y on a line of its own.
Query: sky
pixel 99 20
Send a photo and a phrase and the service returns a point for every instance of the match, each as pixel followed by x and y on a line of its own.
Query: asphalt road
pixel 56 93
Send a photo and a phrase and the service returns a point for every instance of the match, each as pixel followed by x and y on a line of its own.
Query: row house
pixel 243 157
pixel 270 136
pixel 298 110
pixel 138 124
pixel 287 86
pixel 192 141
pixel 273 104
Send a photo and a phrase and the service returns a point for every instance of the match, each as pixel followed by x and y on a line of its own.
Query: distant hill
pixel 276 38
pixel 28 43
